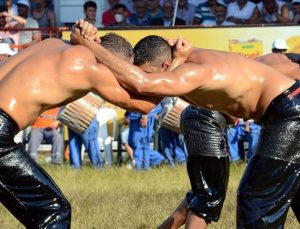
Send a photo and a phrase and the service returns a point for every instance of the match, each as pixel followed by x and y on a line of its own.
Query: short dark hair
pixel 89 4
pixel 152 49
pixel 120 6
pixel 117 45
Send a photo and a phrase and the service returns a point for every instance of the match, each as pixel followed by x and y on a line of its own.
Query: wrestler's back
pixel 42 76
pixel 236 85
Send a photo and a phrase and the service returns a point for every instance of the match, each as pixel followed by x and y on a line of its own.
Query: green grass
pixel 121 198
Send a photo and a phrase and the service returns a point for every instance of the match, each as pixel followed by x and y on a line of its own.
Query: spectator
pixel 90 11
pixel 5 22
pixel 220 17
pixel 186 11
pixel 11 8
pixel 279 46
pixel 28 38
pixel 140 135
pixel 205 12
pixel 273 11
pixel 167 19
pixel 45 17
pixel 139 18
pixel 296 11
pixel 172 145
pixel 239 133
pixel 90 141
pixel 108 17
pixel 124 137
pixel 46 127
pixel 121 16
pixel 154 10
pixel 242 12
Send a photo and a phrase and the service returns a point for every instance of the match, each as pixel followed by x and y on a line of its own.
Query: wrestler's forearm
pixel 175 63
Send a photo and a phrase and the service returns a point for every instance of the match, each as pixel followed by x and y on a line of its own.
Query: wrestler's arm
pixel 182 80
pixel 106 85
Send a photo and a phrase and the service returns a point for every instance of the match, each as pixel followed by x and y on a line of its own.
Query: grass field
pixel 120 198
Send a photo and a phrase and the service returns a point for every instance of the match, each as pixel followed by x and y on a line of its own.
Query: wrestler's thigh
pixel 266 191
pixel 27 190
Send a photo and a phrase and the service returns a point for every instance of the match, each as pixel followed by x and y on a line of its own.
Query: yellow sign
pixel 217 38
pixel 250 48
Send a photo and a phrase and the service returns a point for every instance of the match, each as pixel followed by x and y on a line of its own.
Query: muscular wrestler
pixel 240 87
pixel 49 74
pixel 204 135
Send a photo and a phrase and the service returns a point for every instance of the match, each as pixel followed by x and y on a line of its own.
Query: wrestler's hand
pixel 182 48
pixel 86 30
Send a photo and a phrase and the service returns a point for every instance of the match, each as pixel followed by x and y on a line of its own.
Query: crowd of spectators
pixel 200 13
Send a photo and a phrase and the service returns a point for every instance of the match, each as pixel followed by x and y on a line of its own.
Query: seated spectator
pixel 139 18
pixel 121 16
pixel 279 46
pixel 167 19
pixel 296 11
pixel 242 12
pixel 46 128
pixel 90 141
pixel 140 135
pixel 90 11
pixel 15 22
pixel 220 17
pixel 273 11
pixel 108 17
pixel 45 17
pixel 205 12
pixel 28 38
pixel 154 10
pixel 186 11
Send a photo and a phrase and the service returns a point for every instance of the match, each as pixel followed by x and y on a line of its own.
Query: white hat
pixel 221 2
pixel 24 2
pixel 295 1
pixel 5 49
pixel 279 44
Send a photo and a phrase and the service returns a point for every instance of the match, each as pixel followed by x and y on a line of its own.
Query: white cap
pixel 5 49
pixel 295 1
pixel 279 44
pixel 24 2
pixel 221 2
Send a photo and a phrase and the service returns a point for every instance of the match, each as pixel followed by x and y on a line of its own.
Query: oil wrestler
pixel 49 74
pixel 240 87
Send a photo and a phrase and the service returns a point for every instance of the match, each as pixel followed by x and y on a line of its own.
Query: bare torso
pixel 45 75
pixel 236 85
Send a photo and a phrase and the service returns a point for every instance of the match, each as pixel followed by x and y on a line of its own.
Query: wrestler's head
pixel 118 45
pixel 153 54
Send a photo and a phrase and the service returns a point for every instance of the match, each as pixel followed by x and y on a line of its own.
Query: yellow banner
pixel 222 38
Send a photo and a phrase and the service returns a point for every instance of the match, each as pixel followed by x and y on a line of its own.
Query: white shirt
pixel 245 13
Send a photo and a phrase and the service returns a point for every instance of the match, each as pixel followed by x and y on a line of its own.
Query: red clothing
pixel 108 18
pixel 46 119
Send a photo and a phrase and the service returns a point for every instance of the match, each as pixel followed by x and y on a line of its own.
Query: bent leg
pixel 266 181
pixel 208 161
pixel 29 193
pixel 209 180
